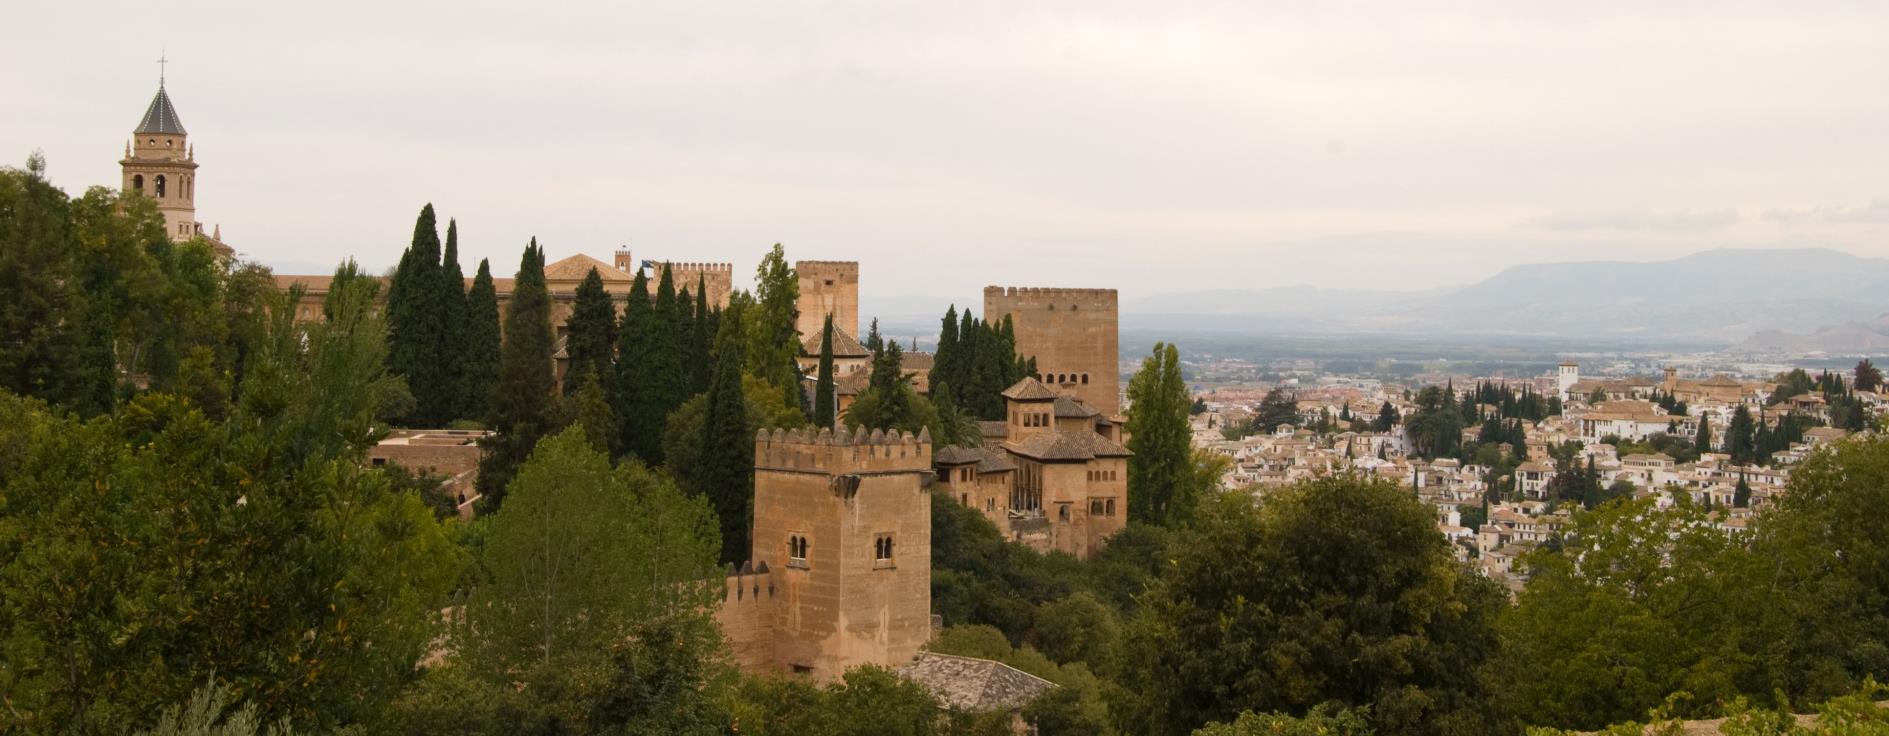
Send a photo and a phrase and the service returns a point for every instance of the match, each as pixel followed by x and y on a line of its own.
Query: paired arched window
pixel 796 551
pixel 882 548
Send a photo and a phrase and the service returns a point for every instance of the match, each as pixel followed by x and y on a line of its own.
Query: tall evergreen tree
pixel 667 347
pixel 726 470
pixel 1162 481
pixel 823 393
pixel 591 332
pixel 414 324
pixel 874 342
pixel 944 362
pixel 1739 436
pixel 526 389
pixel 701 340
pixel 639 429
pixel 479 364
pixel 455 329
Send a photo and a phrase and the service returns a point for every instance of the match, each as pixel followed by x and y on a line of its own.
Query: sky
pixel 1147 147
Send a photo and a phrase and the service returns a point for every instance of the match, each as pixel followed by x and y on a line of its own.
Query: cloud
pixel 1642 220
pixel 1874 213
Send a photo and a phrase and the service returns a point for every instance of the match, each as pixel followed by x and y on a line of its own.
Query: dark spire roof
pixel 160 117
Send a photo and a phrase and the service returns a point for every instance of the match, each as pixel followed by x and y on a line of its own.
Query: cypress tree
pixel 823 398
pixel 479 364
pixel 414 321
pixel 874 342
pixel 455 329
pixel 701 339
pixel 1739 435
pixel 944 365
pixel 526 387
pixel 668 345
pixel 726 471
pixel 1741 494
pixel 632 399
pixel 592 332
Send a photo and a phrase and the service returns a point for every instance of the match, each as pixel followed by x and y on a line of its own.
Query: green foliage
pixel 701 339
pixel 1435 428
pixel 522 400
pixel 1164 482
pixel 1866 376
pixel 633 392
pixel 889 401
pixel 1319 722
pixel 868 701
pixel 1636 602
pixel 591 332
pixel 1337 591
pixel 1279 407
pixel 211 712
pixel 425 307
pixel 724 470
pixel 1740 436
pixel 143 551
pixel 773 346
pixel 824 401
pixel 979 359
pixel 479 364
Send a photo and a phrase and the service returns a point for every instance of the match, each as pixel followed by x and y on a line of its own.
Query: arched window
pixel 160 186
pixel 137 182
pixel 1085 379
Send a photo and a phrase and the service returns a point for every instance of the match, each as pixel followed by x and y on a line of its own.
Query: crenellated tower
pixel 841 567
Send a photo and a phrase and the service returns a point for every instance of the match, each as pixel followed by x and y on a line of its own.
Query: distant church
pixel 160 163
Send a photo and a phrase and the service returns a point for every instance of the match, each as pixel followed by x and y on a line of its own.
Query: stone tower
pixel 828 287
pixel 1074 334
pixel 841 568
pixel 160 164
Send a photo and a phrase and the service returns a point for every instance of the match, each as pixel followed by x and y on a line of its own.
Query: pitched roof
pixel 576 267
pixel 996 429
pixel 1068 407
pixel 1029 389
pixel 974 685
pixel 844 345
pixel 956 455
pixel 1082 445
pixel 160 117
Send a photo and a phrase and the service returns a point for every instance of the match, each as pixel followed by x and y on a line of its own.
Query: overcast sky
pixel 950 145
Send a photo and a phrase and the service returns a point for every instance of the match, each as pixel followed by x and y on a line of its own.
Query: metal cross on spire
pixel 161 61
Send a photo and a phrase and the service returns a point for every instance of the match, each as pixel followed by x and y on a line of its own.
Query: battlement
pixel 826 264
pixel 749 581
pixel 728 268
pixel 1029 294
pixel 842 453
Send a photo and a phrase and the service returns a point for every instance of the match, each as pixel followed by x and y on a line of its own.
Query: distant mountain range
pixel 1745 298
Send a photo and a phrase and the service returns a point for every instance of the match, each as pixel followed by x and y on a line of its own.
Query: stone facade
pixel 828 287
pixel 161 164
pixel 1072 333
pixel 717 278
pixel 840 574
pixel 1055 479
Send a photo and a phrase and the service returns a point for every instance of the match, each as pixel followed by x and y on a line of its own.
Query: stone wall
pixel 719 278
pixel 828 287
pixel 1074 334
pixel 840 606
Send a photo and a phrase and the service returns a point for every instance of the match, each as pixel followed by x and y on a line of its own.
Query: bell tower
pixel 160 164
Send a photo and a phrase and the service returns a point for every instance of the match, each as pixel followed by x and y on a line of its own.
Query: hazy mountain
pixel 1719 296
pixel 1849 337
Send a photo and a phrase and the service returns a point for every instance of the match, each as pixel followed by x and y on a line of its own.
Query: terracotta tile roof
pixel 1069 407
pixel 576 267
pixel 1066 446
pixel 957 455
pixel 844 346
pixel 974 685
pixel 1030 389
pixel 994 429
